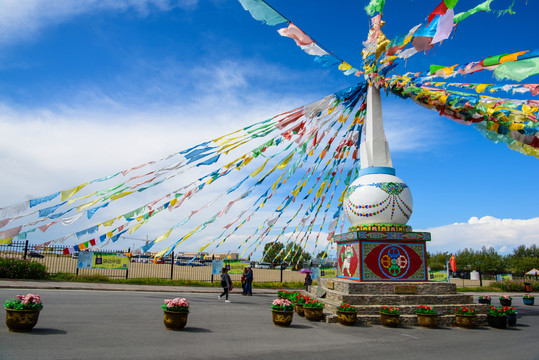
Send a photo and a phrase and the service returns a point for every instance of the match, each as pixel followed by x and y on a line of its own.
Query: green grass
pixel 165 282
pixel 478 289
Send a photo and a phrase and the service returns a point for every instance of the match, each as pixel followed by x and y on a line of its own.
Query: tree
pixel 320 254
pixel 437 261
pixel 271 252
pixel 296 256
pixel 523 259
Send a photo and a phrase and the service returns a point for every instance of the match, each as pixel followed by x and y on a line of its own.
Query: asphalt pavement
pixel 94 321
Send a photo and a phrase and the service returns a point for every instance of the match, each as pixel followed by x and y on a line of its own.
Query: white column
pixel 374 151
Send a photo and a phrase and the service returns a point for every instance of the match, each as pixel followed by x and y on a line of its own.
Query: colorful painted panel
pixel 348 260
pixel 393 262
pixel 390 235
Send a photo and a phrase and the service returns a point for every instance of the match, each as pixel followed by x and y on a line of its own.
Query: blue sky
pixel 91 88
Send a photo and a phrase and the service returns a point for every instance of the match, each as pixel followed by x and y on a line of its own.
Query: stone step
pixel 386 288
pixel 393 299
pixel 448 309
pixel 407 320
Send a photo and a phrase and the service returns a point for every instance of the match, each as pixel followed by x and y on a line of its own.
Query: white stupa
pixel 377 196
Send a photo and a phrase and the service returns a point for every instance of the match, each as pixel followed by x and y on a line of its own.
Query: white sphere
pixel 378 199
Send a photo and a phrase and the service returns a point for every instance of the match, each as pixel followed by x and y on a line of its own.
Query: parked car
pixel 34 254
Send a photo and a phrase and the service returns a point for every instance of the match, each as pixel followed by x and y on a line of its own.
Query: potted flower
pixel 505 300
pixel 511 315
pixel 282 294
pixel 497 318
pixel 389 316
pixel 300 302
pixel 292 296
pixel 282 311
pixel 346 314
pixel 528 299
pixel 485 299
pixel 22 312
pixel 175 313
pixel 465 317
pixel 313 309
pixel 426 316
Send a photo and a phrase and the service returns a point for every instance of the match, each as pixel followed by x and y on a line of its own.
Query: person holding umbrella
pixel 308 278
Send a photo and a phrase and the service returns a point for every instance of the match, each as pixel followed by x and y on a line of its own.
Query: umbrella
pixel 304 271
pixel 533 271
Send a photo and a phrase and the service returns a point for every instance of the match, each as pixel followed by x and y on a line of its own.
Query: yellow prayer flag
pixel 108 222
pixel 257 171
pixel 120 195
pixel 160 254
pixel 283 163
pixel 205 246
pixel 321 190
pixel 66 194
pixel 6 241
pixel 110 234
pixel 344 66
pixel 134 228
pixel 84 206
pixel 480 88
pixel 79 198
pixel 164 236
pixel 82 246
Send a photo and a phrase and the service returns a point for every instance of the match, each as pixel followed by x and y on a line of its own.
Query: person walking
pixel 226 283
pixel 248 281
pixel 308 281
pixel 243 280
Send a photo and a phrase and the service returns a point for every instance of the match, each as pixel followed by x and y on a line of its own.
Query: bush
pixel 514 285
pixel 22 269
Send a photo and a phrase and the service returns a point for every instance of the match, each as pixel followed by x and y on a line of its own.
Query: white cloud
pixel 501 234
pixel 23 19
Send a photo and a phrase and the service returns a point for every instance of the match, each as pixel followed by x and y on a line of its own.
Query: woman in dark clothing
pixel 308 281
pixel 226 283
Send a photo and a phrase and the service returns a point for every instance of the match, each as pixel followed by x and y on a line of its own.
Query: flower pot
pixel 511 319
pixel 346 318
pixel 427 320
pixel 175 320
pixel 505 302
pixel 389 320
pixel 466 321
pixel 282 318
pixel 528 301
pixel 300 309
pixel 498 322
pixel 484 301
pixel 313 314
pixel 21 320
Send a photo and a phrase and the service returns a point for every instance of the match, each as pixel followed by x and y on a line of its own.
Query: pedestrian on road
pixel 226 283
pixel 243 280
pixel 308 281
pixel 248 281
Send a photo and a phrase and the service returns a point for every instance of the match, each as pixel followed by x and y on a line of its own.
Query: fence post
pixel 25 249
pixel 172 266
pixel 480 278
pixel 281 273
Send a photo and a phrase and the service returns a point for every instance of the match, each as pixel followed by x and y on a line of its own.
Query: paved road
pixel 86 324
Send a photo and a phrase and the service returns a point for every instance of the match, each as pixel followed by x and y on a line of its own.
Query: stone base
pixel 369 297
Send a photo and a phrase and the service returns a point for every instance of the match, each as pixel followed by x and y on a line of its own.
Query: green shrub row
pixel 22 269
pixel 515 285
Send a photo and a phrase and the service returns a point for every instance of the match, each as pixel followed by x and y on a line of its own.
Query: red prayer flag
pixel 453 263
pixel 440 10
pixel 66 251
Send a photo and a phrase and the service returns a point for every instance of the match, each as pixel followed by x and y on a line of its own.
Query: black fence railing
pixel 142 266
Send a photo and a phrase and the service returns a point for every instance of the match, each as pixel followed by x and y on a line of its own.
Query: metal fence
pixel 143 267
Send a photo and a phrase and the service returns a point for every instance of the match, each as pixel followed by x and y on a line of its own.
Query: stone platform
pixel 369 297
